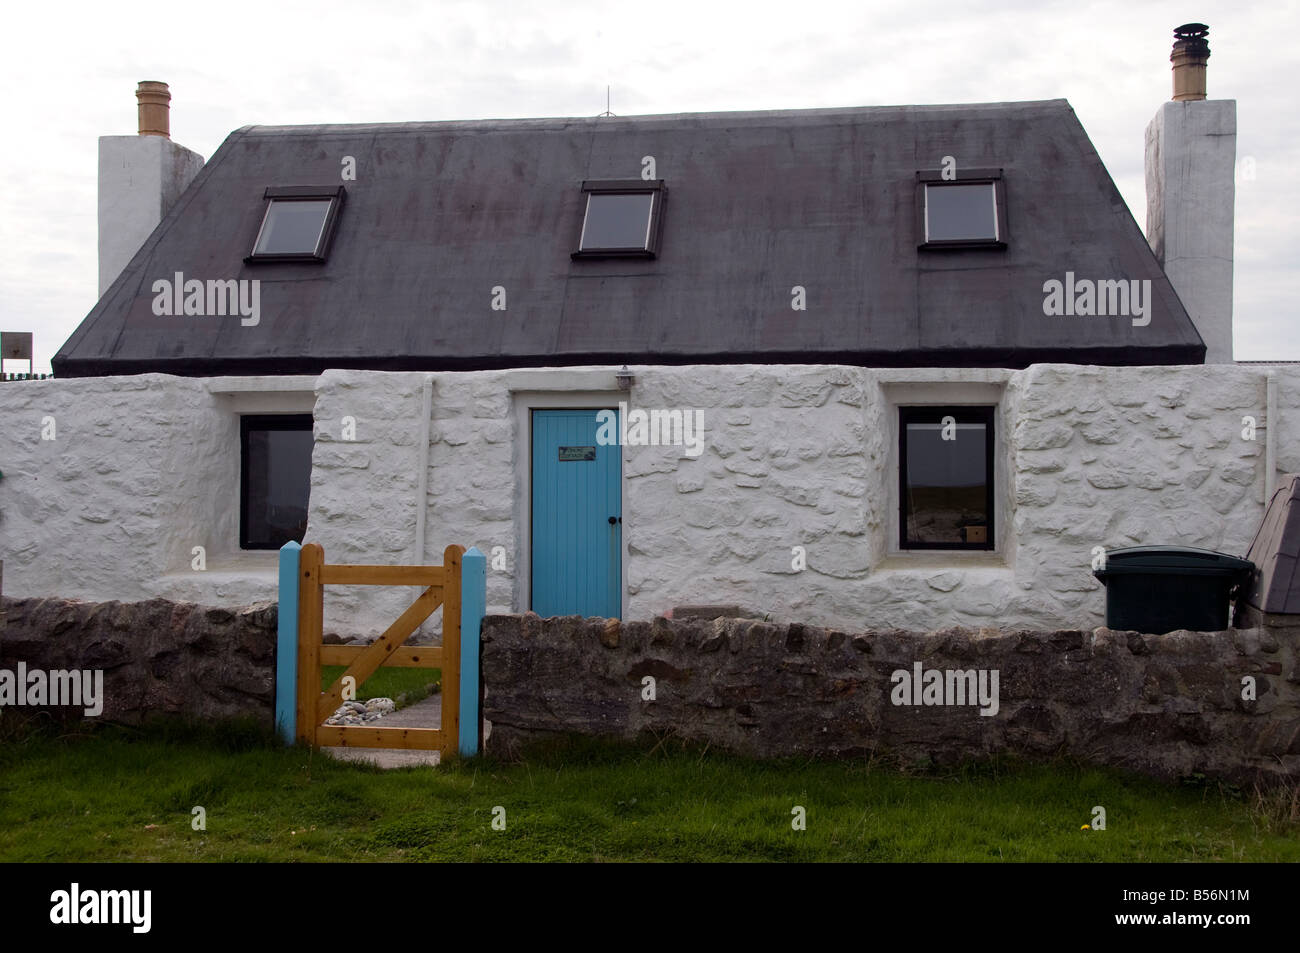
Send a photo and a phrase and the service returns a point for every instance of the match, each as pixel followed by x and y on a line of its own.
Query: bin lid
pixel 1172 560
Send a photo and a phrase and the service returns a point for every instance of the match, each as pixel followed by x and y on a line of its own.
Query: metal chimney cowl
pixel 1190 56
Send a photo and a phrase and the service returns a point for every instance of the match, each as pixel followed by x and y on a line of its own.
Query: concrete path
pixel 426 713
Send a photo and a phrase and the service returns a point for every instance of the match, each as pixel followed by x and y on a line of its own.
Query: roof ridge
pixel 741 115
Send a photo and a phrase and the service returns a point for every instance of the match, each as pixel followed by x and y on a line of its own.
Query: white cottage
pixel 902 366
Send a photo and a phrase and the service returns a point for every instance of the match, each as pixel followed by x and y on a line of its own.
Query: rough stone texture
pixel 158 657
pixel 709 612
pixel 426 713
pixel 1168 705
pixel 101 504
pixel 363 506
pixel 795 455
pixel 361 713
pixel 1156 457
pixel 140 471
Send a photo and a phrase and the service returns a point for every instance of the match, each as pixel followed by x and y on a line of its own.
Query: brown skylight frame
pixel 299 193
pixel 594 188
pixel 934 179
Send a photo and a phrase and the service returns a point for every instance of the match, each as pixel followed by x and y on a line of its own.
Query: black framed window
pixel 621 218
pixel 968 211
pixel 275 479
pixel 298 224
pixel 945 477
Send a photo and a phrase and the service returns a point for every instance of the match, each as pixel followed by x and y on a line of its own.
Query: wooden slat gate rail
pixel 458 586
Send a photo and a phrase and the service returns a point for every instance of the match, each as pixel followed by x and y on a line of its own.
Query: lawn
pixel 127 794
pixel 404 686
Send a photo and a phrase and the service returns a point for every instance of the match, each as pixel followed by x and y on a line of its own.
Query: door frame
pixel 525 402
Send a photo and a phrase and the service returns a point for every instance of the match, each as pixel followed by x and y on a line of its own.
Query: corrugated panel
pixel 1275 551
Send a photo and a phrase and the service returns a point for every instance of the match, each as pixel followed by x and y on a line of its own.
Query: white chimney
pixel 1191 155
pixel 140 179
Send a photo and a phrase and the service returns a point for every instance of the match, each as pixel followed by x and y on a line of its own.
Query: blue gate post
pixel 286 645
pixel 473 606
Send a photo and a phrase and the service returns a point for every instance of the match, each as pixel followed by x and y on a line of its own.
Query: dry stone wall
pixel 1170 706
pixel 157 657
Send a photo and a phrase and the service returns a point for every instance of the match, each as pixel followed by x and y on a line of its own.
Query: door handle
pixel 615 519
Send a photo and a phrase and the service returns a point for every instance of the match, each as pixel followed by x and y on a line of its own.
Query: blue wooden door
pixel 577 524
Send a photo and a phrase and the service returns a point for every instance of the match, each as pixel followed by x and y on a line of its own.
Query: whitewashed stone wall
pixel 794 456
pixel 1124 457
pixel 805 456
pixel 116 501
pixel 141 470
pixel 364 491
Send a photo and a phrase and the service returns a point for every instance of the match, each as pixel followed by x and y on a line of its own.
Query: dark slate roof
pixel 1275 551
pixel 758 202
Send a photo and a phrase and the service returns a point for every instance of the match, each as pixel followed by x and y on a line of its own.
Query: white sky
pixel 69 72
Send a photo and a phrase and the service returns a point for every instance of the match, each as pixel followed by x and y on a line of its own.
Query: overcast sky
pixel 69 73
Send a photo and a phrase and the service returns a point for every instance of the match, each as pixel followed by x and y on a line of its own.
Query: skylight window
pixel 968 211
pixel 956 213
pixel 621 218
pixel 298 224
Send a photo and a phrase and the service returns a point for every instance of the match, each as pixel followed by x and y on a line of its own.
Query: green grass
pixel 403 685
pixel 124 794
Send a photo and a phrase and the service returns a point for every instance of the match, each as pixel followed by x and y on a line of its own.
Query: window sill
pixel 225 566
pixel 308 259
pixel 942 559
pixel 955 246
pixel 612 253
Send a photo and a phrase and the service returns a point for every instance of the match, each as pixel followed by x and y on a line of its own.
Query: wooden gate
pixel 302 708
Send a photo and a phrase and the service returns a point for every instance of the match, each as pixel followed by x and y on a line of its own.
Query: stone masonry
pixel 158 657
pixel 145 468
pixel 1168 706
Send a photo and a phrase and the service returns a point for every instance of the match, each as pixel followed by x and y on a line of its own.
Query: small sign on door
pixel 571 454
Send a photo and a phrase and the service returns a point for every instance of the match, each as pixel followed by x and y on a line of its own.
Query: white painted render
pixel 1191 158
pixel 140 179
pixel 144 468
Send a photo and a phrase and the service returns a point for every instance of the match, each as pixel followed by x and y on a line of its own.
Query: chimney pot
pixel 1191 160
pixel 1191 53
pixel 154 108
pixel 140 179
